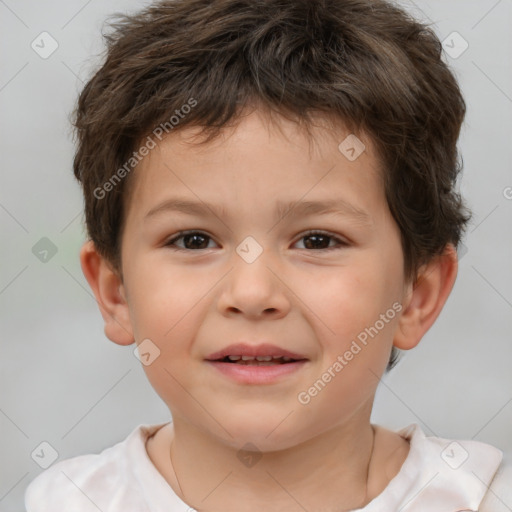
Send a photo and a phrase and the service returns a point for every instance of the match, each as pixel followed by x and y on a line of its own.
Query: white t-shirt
pixel 438 475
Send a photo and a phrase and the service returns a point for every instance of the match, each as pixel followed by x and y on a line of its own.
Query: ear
pixel 110 294
pixel 426 298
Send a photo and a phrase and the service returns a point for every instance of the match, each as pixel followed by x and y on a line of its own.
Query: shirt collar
pixel 439 474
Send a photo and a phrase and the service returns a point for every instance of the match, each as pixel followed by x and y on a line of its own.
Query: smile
pixel 263 363
pixel 252 371
pixel 258 360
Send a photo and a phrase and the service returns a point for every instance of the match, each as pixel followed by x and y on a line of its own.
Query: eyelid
pixel 340 242
pixel 169 242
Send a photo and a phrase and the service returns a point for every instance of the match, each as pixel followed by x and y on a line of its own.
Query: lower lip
pixel 253 374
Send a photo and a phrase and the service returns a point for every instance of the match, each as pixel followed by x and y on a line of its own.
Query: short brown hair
pixel 365 62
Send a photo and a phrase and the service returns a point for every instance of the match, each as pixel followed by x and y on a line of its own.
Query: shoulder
pixel 461 471
pixel 91 482
pixel 499 495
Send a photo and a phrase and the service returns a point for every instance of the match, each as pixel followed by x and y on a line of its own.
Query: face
pixel 255 239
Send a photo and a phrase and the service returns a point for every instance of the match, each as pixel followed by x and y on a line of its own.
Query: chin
pixel 267 432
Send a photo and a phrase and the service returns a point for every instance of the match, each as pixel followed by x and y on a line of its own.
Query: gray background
pixel 63 382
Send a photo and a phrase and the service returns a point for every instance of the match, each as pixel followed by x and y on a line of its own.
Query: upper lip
pixel 243 349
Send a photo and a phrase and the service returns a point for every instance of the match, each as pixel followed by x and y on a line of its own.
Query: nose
pixel 254 290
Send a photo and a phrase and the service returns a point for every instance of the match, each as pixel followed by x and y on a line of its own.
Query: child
pixel 270 199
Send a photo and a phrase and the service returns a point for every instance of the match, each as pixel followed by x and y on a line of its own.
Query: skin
pixel 192 302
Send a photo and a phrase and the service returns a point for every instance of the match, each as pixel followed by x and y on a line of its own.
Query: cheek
pixel 166 309
pixel 165 299
pixel 342 296
pixel 348 305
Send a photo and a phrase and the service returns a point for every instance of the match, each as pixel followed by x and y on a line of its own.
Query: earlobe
pixel 110 295
pixel 426 298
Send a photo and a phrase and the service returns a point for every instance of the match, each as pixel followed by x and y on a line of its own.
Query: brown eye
pixel 192 240
pixel 321 241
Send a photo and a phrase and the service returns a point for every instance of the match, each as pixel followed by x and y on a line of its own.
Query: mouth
pixel 262 354
pixel 256 364
pixel 258 360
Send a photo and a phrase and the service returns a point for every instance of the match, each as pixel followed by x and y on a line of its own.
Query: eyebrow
pixel 283 208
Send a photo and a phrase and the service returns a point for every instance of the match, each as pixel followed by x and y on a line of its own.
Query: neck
pixel 331 471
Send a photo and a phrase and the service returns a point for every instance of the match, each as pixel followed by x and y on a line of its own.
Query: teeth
pixel 262 359
pixel 257 358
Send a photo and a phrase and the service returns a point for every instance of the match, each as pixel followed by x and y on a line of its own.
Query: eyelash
pixel 340 243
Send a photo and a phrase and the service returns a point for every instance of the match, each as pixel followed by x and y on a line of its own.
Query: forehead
pixel 264 154
pixel 320 134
